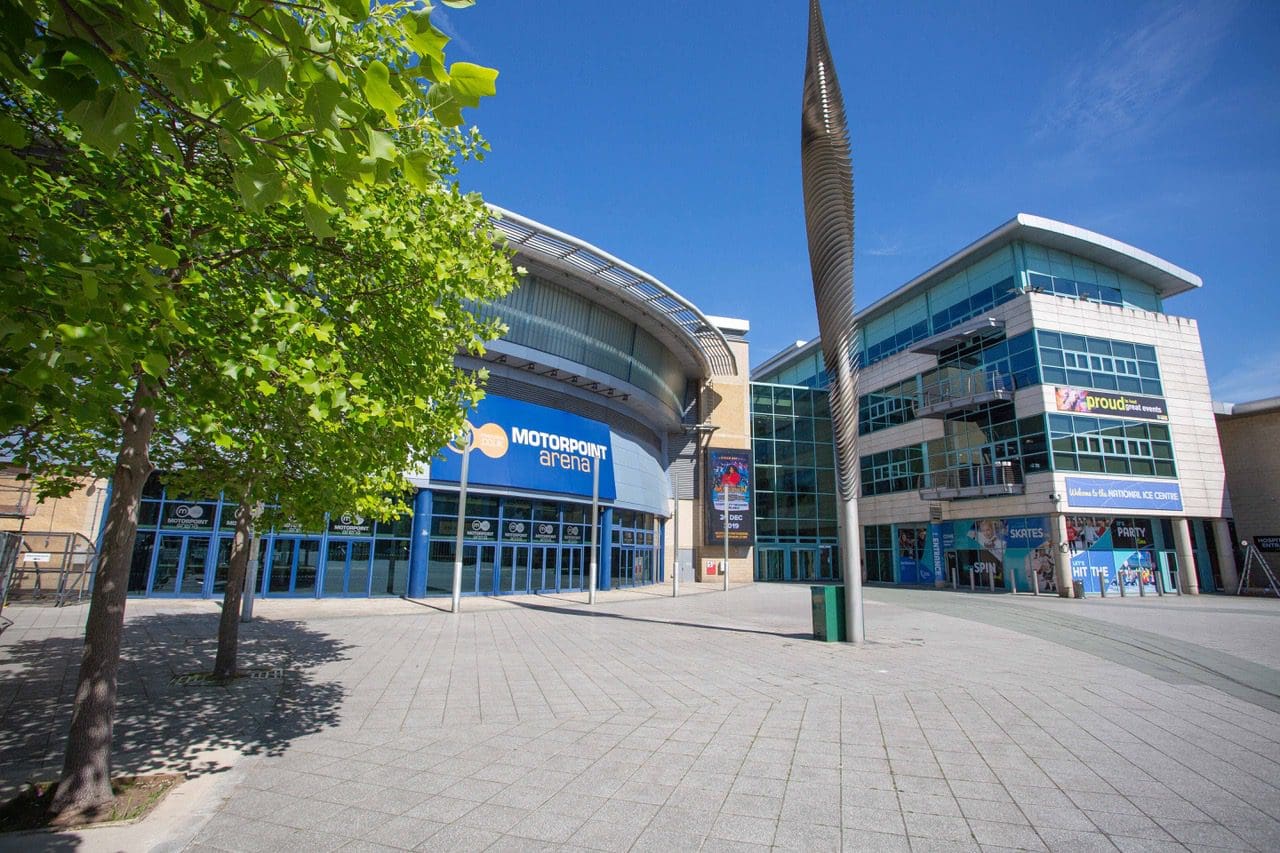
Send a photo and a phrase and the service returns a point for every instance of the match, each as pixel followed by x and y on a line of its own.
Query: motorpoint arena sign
pixel 525 446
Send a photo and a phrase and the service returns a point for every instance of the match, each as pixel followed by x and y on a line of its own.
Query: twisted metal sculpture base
pixel 827 171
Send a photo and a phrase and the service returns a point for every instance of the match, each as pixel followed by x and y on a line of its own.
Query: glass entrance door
pixel 171 554
pixel 513 570
pixel 346 567
pixel 179 567
pixel 544 572
pixel 803 564
pixel 1168 568
pixel 295 561
pixel 571 576
pixel 223 565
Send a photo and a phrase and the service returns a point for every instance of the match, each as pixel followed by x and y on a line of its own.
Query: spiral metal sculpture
pixel 827 171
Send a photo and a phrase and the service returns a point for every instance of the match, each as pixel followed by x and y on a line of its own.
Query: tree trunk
pixel 229 625
pixel 86 769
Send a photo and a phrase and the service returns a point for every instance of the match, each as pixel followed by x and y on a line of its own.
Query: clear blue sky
pixel 668 135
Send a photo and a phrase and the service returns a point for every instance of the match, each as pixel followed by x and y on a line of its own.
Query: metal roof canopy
pixel 694 329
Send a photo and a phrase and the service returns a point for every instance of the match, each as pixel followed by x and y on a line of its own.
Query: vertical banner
pixel 729 479
pixel 913 564
pixel 935 538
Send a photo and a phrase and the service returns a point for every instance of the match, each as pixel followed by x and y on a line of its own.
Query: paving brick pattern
pixel 710 722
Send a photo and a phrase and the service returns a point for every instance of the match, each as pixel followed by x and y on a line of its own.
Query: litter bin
pixel 828 614
pixel 1077 589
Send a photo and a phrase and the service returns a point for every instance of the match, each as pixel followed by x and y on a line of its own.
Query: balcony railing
pixel 954 392
pixel 972 481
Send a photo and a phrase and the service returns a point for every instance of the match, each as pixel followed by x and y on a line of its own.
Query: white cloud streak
pixel 1256 379
pixel 1134 82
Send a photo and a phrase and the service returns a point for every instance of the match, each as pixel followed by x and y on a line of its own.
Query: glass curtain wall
pixel 795 483
pixel 184 549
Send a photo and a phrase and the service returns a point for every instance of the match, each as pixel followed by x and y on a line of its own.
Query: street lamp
pixel 707 429
pixel 468 439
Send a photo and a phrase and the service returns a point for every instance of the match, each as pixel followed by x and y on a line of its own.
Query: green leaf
pixel 12 134
pixel 265 388
pixel 377 88
pixel 472 82
pixel 458 4
pixel 108 119
pixel 155 364
pixel 164 257
pixel 380 145
pixel 423 37
pixel 317 218
pixel 417 168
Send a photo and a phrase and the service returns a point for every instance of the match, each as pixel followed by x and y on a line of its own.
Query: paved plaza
pixel 708 722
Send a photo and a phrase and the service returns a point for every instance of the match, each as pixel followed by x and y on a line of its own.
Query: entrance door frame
pixel 295 540
pixel 350 542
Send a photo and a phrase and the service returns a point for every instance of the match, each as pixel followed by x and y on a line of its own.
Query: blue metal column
pixel 605 581
pixel 419 544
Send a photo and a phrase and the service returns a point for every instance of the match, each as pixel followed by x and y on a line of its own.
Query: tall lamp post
pixel 707 429
pixel 469 439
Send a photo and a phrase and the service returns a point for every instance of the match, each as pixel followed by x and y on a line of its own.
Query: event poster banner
pixel 1005 545
pixel 729 479
pixel 1085 402
pixel 1113 551
pixel 914 563
pixel 525 446
pixel 1111 493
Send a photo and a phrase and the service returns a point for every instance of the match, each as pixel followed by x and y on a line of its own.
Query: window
pixel 877 552
pixel 896 470
pixel 1109 446
pixel 1098 363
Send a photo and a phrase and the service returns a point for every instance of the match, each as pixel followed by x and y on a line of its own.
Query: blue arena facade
pixel 602 363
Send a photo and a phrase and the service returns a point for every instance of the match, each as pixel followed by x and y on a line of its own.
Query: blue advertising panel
pixel 525 446
pixel 1094 569
pixel 1109 493
pixel 1004 546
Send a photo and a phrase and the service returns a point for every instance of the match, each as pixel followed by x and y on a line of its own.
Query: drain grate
pixel 208 678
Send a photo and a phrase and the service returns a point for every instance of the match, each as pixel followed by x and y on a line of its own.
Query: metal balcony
pixel 959 392
pixel 972 481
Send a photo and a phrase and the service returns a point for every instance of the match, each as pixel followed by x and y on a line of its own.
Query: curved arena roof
pixel 685 324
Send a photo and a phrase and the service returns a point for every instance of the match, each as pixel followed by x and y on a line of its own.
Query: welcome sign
pixel 1111 493
pixel 525 446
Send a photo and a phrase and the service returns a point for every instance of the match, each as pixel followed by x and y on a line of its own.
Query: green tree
pixel 191 191
pixel 388 307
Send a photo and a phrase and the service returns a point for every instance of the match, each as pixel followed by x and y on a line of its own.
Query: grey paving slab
pixel 969 722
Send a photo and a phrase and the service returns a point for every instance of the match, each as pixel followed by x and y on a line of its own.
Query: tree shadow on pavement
pixel 165 722
pixel 603 614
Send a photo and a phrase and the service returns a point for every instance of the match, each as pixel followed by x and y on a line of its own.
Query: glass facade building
pixel 991 383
